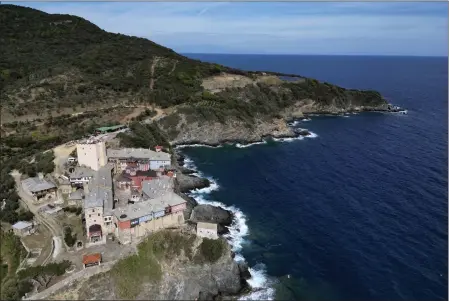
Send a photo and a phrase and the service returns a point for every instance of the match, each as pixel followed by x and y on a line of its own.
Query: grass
pixel 130 273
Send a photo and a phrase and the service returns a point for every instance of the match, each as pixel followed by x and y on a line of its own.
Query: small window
pixel 95 221
pixel 90 215
pixel 98 214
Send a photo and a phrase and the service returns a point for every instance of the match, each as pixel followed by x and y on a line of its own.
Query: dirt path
pixel 62 152
pixel 153 65
pixel 27 202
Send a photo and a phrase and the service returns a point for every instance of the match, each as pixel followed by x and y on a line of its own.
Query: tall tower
pixel 92 155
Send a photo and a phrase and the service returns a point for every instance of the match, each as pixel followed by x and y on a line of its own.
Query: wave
pixel 238 145
pixel 238 231
pixel 181 146
pixel 262 286
pixel 290 139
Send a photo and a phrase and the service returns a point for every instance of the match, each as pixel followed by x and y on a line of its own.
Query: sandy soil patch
pixel 218 83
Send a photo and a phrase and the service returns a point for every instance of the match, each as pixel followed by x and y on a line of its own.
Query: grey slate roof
pixel 157 187
pixel 138 153
pixel 100 190
pixel 76 195
pixel 35 184
pixel 81 172
pixel 20 225
pixel 144 208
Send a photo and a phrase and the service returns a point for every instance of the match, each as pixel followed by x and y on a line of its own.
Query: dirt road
pixel 47 221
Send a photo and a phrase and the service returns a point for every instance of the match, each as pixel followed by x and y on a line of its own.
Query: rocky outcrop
pixel 191 203
pixel 181 279
pixel 215 133
pixel 188 182
pixel 212 214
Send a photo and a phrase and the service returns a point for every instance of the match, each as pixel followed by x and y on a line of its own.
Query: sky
pixel 319 28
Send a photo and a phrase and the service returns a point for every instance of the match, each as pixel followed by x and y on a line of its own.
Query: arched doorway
pixel 95 233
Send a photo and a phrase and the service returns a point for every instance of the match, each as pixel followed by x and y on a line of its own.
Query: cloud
pixel 249 27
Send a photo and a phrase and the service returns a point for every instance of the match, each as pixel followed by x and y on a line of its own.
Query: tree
pixel 44 274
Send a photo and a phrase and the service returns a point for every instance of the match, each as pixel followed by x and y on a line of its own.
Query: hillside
pixel 52 62
pixel 62 76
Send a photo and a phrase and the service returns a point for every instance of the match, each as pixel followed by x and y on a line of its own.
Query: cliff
pixel 170 265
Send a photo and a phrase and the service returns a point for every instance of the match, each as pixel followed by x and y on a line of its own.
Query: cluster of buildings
pixel 127 192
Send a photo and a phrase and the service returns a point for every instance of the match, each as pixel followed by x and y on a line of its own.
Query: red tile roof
pixel 91 258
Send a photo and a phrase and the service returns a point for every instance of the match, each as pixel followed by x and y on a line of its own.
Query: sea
pixel 356 211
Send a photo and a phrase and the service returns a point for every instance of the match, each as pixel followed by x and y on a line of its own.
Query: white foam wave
pixel 181 146
pixel 238 145
pixel 312 135
pixel 290 139
pixel 307 119
pixel 346 116
pixel 262 286
pixel 238 231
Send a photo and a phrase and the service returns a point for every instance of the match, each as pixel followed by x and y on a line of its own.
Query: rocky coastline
pixel 185 183
pixel 216 134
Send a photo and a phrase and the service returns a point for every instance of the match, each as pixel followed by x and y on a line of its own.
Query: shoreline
pixel 291 122
pixel 257 281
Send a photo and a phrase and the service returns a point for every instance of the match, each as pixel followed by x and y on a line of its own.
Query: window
pixel 95 220
pixel 90 215
pixel 98 214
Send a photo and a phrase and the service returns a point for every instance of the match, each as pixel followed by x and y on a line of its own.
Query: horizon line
pixel 305 54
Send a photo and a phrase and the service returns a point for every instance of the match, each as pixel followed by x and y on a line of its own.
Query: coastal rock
pixel 191 203
pixel 187 182
pixel 212 214
pixel 181 279
pixel 215 133
pixel 244 271
pixel 185 171
pixel 302 132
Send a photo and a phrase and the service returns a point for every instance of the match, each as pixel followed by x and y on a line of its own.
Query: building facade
pixel 39 188
pixel 207 230
pixel 92 154
pixel 139 219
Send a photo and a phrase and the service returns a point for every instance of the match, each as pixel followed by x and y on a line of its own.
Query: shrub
pixel 69 238
pixel 212 249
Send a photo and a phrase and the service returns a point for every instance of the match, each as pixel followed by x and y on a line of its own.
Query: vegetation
pixel 60 61
pixel 11 254
pixel 40 275
pixel 69 237
pixel 73 209
pixel 212 249
pixel 131 272
pixel 43 163
pixel 25 215
pixel 143 135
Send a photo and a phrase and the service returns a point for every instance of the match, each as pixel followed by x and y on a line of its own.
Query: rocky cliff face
pixel 214 133
pixel 181 279
pixel 234 130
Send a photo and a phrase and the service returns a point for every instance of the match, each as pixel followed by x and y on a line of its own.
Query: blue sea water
pixel 360 211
